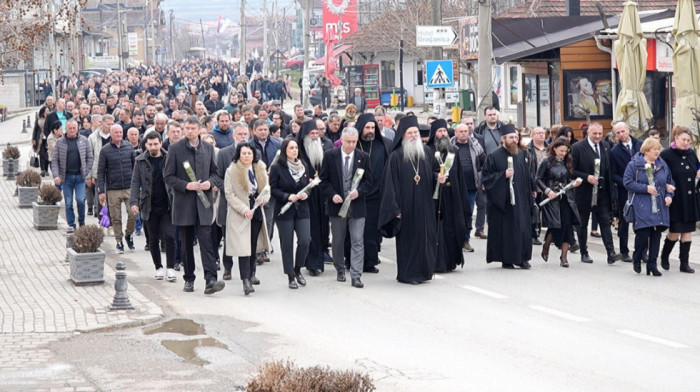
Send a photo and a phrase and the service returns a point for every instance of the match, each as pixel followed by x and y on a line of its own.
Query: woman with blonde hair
pixel 650 185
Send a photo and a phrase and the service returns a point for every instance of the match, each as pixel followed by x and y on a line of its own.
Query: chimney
pixel 573 7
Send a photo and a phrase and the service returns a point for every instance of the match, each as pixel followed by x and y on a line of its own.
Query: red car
pixel 296 62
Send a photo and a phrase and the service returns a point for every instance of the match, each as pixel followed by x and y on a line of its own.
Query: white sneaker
pixel 171 275
pixel 160 274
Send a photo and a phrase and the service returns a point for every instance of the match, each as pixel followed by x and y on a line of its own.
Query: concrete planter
pixel 86 268
pixel 46 216
pixel 27 196
pixel 5 167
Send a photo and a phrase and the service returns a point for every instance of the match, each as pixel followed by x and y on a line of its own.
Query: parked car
pixel 296 62
pixel 88 72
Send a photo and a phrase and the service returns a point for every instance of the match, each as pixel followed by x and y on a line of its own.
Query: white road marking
pixel 558 313
pixel 484 292
pixel 650 338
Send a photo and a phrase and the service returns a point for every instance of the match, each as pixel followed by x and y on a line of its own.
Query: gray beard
pixel 314 150
pixel 443 145
pixel 368 137
pixel 413 150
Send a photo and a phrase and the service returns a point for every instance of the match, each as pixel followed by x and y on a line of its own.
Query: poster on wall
pixel 513 86
pixel 587 92
pixel 497 84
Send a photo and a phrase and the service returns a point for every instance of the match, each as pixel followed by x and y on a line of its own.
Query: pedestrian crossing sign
pixel 439 73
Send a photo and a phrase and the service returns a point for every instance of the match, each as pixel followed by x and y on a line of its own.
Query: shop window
pixel 388 76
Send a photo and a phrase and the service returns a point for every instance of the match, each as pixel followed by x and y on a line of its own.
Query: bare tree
pixel 26 24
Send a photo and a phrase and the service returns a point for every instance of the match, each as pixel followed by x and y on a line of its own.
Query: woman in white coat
pixel 245 179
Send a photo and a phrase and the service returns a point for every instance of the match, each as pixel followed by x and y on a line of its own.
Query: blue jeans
pixel 74 183
pixel 472 200
pixel 139 223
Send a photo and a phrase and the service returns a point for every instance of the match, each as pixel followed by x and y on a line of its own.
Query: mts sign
pixel 339 19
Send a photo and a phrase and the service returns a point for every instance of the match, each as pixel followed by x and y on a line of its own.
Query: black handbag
pixel 34 161
pixel 628 210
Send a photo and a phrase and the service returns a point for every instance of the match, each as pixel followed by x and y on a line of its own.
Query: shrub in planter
pixel 7 153
pixel 47 208
pixel 86 260
pixel 280 376
pixel 28 183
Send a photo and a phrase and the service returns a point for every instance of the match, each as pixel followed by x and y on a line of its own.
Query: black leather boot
pixel 665 252
pixel 247 287
pixel 685 256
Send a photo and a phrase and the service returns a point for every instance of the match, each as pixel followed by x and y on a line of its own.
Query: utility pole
pixel 120 42
pixel 266 52
pixel 204 45
pixel 153 35
pixel 172 39
pixel 307 31
pixel 485 58
pixel 242 60
pixel 52 48
pixel 439 106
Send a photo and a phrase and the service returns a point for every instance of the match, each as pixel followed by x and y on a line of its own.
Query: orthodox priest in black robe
pixel 509 236
pixel 407 210
pixel 311 152
pixel 378 147
pixel 452 205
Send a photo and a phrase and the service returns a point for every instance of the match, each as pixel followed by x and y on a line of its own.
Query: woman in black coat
pixel 288 176
pixel 560 214
pixel 683 161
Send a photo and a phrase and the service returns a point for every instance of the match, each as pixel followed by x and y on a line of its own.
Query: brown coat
pixel 236 189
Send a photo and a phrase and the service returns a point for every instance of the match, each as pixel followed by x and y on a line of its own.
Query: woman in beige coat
pixel 245 179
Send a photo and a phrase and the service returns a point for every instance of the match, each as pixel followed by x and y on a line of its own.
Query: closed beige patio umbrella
pixel 631 55
pixel 686 65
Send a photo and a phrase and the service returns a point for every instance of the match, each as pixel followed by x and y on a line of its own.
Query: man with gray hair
pixel 338 185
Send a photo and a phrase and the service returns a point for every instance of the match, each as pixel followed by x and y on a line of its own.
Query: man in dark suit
pixel 192 201
pixel 620 156
pixel 584 155
pixel 337 175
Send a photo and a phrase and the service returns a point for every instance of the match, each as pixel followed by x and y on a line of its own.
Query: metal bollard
pixel 69 244
pixel 24 126
pixel 11 170
pixel 29 122
pixel 121 298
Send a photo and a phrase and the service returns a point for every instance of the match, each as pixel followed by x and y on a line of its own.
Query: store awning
pixel 337 51
pixel 518 38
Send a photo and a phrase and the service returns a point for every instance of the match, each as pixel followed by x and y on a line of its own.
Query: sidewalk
pixel 11 130
pixel 39 305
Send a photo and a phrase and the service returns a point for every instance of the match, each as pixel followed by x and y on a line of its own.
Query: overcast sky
pixel 209 10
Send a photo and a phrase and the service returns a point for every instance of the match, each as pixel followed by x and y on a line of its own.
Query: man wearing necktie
pixel 337 174
pixel 620 156
pixel 584 154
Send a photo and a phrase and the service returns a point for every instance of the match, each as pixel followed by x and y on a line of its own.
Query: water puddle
pixel 182 326
pixel 185 349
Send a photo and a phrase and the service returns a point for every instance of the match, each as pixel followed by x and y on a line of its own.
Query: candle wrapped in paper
pixel 650 178
pixel 307 188
pixel 264 193
pixel 563 190
pixel 596 174
pixel 190 174
pixel 444 169
pixel 356 178
pixel 510 182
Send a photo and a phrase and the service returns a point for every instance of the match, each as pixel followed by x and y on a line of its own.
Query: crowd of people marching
pixel 190 169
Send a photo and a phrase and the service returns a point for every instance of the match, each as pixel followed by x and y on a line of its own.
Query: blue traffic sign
pixel 439 73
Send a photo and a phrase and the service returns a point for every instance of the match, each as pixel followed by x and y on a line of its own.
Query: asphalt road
pixel 588 327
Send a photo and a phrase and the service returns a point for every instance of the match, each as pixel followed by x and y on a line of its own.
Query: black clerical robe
pixel 509 235
pixel 415 231
pixel 453 217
